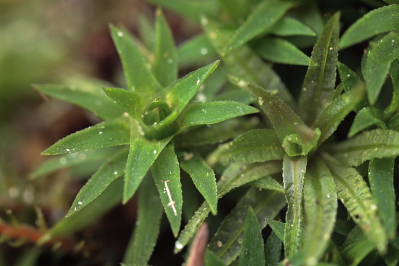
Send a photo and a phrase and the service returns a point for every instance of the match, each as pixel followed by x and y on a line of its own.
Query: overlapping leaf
pixel 318 86
pixel 293 176
pixel 373 144
pixel 377 21
pixel 147 226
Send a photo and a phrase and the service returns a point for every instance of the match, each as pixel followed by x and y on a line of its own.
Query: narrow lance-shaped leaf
pixel 381 174
pixel 252 253
pixel 66 161
pixel 244 62
pixel 166 174
pixel 281 51
pixel 320 201
pixel 191 9
pixel 165 66
pixel 87 94
pixel 146 32
pixel 257 145
pixel 377 63
pixel 128 100
pixel 261 20
pixel 203 178
pixel 296 137
pixel 330 118
pixel 195 50
pixel 142 154
pixel 233 177
pixel 111 170
pixel 319 83
pixel 377 21
pixel 106 134
pixel 278 228
pixel 213 112
pixel 293 176
pixel 394 73
pixel 147 227
pixel 373 144
pixel 227 241
pixel 365 118
pixel 269 183
pixel 348 78
pixel 90 214
pixel 354 193
pixel 135 66
pixel 288 26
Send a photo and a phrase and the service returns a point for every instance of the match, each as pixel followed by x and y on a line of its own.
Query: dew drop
pixel 120 34
pixel 219 244
pixel 100 133
pixel 170 61
pixel 154 151
pixel 198 81
pixel 80 203
pixel 260 101
pixel 68 150
pixel 201 97
pixel 116 172
pixel 204 51
pixel 178 245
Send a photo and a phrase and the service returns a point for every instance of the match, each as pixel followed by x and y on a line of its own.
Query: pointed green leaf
pixel 166 174
pixel 165 66
pixel 293 176
pixel 377 21
pixel 147 227
pixel 334 113
pixel 278 229
pixel 394 73
pixel 135 66
pixel 227 241
pixel 111 170
pixel 106 134
pixel 261 20
pixel 142 155
pixel 244 63
pixel 252 253
pixel 234 176
pixel 249 174
pixel 257 145
pixel 269 183
pixel 273 250
pixel 320 202
pixel 365 118
pixel 378 143
pixel 319 83
pixel 296 137
pixel 190 9
pixel 281 51
pixel 214 112
pixel 128 100
pixel 89 214
pixel 381 174
pixel 354 193
pixel 182 92
pixel 88 95
pixel 348 78
pixel 377 63
pixel 196 50
pixel 288 26
pixel 66 161
pixel 147 32
pixel 203 178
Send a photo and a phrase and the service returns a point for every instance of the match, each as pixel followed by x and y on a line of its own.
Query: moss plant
pixel 233 124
